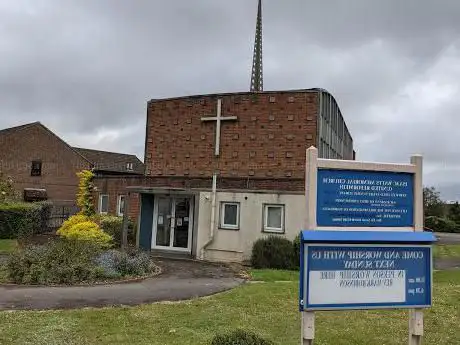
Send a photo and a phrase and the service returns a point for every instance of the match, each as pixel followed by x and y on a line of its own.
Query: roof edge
pixel 110 152
pixel 236 93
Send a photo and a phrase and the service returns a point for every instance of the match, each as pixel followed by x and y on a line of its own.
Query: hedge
pixel 19 220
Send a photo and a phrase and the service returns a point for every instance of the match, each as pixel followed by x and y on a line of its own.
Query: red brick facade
pixel 263 149
pixel 59 162
pixel 114 186
pixel 268 140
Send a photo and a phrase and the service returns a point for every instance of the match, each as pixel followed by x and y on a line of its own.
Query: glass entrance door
pixel 172 223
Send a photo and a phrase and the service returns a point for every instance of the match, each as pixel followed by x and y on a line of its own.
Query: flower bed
pixel 71 262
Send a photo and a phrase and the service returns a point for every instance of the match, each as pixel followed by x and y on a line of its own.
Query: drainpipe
pixel 213 215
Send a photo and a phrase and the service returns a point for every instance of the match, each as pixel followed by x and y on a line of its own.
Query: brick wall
pixel 59 162
pixel 113 186
pixel 268 140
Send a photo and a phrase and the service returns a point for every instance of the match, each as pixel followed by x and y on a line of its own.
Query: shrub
pixel 124 263
pixel 114 227
pixel 7 191
pixel 19 219
pixel 71 221
pixel 274 252
pixel 296 245
pixel 87 231
pixel 439 224
pixel 58 262
pixel 240 337
pixel 85 193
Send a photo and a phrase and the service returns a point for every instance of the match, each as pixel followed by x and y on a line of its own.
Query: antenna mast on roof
pixel 257 78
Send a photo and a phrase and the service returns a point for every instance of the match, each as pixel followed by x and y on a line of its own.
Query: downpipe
pixel 213 216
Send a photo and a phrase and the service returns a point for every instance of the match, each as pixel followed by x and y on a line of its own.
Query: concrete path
pixel 148 291
pixel 447 238
pixel 181 280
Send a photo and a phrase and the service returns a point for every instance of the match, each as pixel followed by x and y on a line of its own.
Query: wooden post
pixel 124 234
pixel 416 315
pixel 308 318
pixel 308 328
pixel 415 327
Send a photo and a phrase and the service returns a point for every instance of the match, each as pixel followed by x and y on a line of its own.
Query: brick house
pixel 223 170
pixel 38 160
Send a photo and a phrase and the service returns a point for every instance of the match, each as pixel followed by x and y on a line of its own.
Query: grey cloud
pixel 86 66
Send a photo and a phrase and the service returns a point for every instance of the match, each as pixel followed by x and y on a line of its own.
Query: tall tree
pixel 454 212
pixel 432 203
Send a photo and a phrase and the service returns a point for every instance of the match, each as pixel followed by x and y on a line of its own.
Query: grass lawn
pixel 7 246
pixel 269 308
pixel 446 251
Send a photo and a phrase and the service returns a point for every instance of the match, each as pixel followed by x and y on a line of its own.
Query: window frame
pixel 130 166
pixel 265 227
pixel 100 203
pixel 40 164
pixel 224 226
pixel 120 213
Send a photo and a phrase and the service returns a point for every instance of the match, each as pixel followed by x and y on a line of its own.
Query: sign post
pixel 363 246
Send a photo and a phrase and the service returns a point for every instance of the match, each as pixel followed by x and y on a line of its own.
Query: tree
pixel 454 212
pixel 432 203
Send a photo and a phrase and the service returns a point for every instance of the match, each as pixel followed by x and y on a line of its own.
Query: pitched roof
pixel 101 160
pixel 112 161
pixel 18 128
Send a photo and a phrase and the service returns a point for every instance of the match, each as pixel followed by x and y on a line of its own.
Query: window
pixel 230 215
pixel 274 218
pixel 36 169
pixel 103 204
pixel 129 166
pixel 121 205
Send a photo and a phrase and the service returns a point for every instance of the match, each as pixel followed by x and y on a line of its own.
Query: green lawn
pixel 7 246
pixel 446 251
pixel 269 308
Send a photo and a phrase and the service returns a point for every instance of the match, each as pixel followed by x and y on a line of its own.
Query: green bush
pixel 240 337
pixel 58 262
pixel 439 224
pixel 274 252
pixel 19 220
pixel 113 226
pixel 296 245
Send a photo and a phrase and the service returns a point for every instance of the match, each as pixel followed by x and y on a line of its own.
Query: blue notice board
pixel 365 275
pixel 350 198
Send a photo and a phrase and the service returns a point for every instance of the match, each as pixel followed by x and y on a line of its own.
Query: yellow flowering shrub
pixel 88 231
pixel 79 218
pixel 85 193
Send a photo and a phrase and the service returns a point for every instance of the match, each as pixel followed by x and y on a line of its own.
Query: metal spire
pixel 257 78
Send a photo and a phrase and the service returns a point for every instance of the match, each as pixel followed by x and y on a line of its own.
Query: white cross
pixel 219 118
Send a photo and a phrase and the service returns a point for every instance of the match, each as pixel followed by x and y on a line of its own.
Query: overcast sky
pixel 86 68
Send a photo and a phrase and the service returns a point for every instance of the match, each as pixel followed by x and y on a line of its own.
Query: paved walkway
pixel 447 238
pixel 180 280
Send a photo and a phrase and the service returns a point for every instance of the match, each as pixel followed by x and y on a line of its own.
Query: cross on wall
pixel 218 118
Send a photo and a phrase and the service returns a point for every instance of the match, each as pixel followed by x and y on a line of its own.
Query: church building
pixel 222 170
